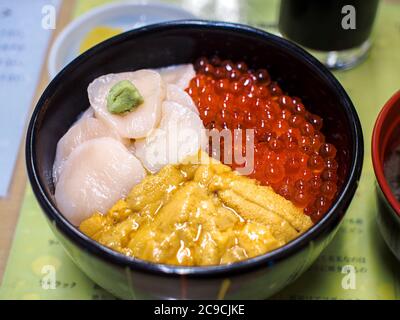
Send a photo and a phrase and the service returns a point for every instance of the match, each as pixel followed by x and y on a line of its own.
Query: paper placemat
pixel 357 243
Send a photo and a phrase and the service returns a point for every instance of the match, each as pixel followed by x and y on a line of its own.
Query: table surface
pixel 357 242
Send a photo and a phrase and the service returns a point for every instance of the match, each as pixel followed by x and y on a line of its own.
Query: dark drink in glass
pixel 339 30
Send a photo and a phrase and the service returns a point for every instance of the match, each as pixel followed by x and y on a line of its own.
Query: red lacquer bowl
pixel 385 137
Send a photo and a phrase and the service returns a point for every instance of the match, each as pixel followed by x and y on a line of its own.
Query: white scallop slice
pixel 138 122
pixel 180 96
pixel 97 174
pixel 179 75
pixel 86 128
pixel 181 133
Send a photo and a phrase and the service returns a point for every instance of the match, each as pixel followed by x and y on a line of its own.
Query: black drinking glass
pixel 336 31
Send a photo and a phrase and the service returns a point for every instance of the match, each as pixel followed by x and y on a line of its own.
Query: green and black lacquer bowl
pixel 181 42
pixel 386 142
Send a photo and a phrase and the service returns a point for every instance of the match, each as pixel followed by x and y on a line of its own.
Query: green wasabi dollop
pixel 123 97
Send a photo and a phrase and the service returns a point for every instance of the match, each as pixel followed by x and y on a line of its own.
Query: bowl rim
pixel 328 222
pixel 377 156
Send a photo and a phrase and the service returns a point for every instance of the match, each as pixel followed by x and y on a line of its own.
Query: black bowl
pixel 180 42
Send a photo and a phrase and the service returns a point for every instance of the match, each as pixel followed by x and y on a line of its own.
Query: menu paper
pixel 25 29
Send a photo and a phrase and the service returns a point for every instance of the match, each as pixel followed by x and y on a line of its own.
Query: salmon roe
pixel 290 152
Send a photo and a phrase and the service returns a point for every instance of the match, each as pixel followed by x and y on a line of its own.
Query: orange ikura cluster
pixel 290 152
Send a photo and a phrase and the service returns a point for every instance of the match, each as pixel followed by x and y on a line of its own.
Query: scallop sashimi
pixel 179 75
pixel 181 133
pixel 180 96
pixel 95 176
pixel 140 121
pixel 86 128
